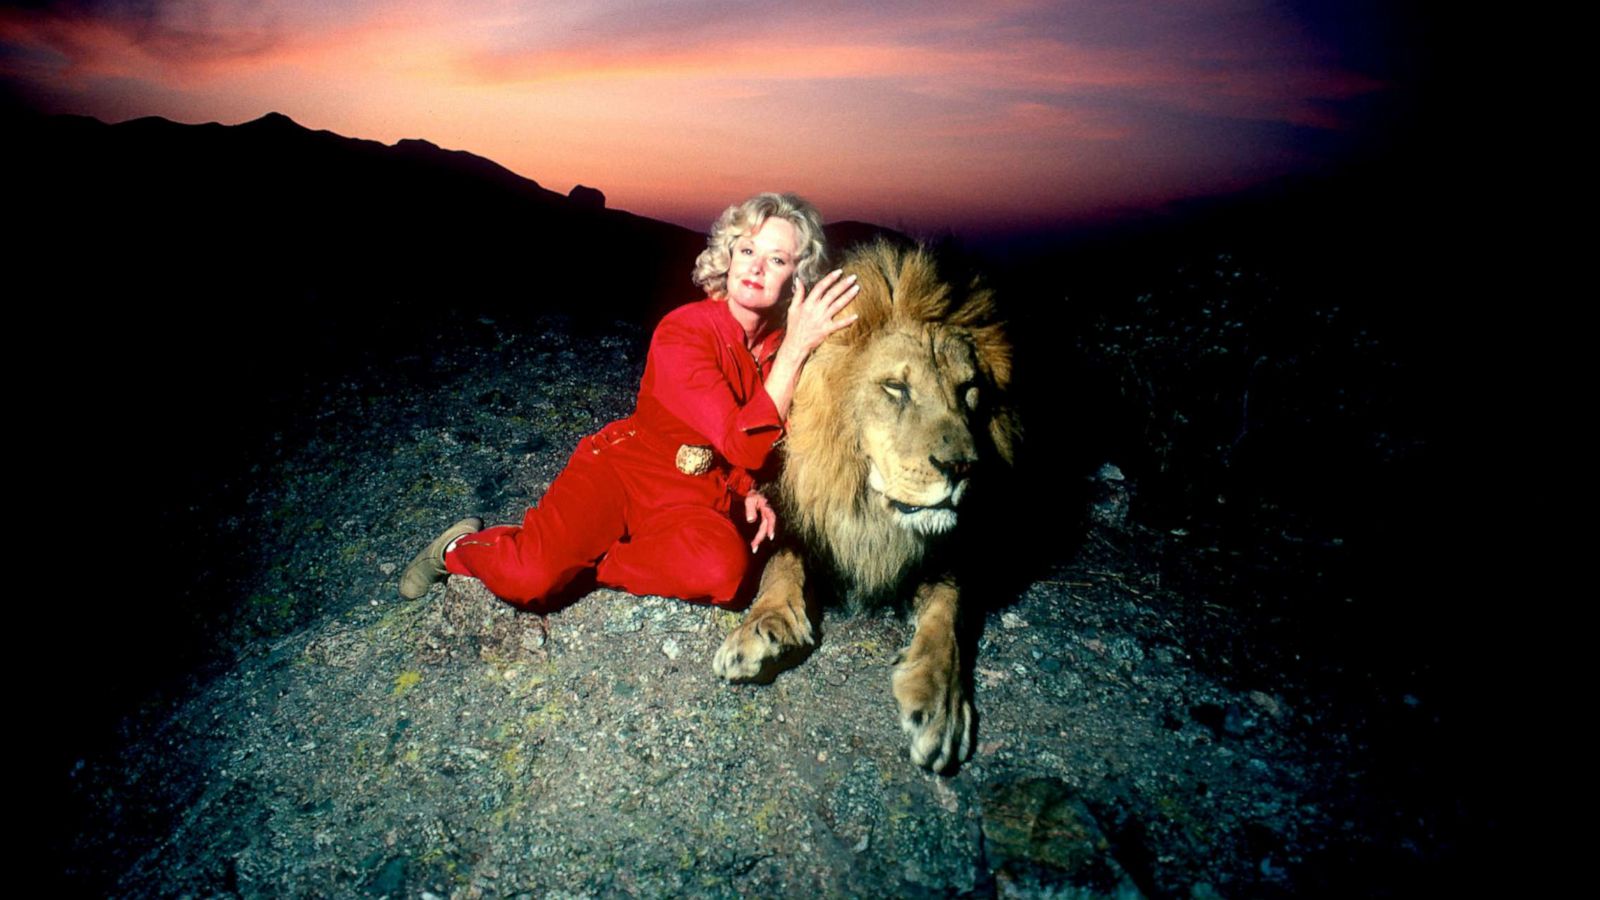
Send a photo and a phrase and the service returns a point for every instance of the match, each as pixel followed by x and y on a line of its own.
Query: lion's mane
pixel 823 486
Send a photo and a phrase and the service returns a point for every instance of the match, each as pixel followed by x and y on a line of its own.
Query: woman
pixel 646 503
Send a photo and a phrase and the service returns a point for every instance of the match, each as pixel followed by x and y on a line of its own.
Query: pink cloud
pixel 894 106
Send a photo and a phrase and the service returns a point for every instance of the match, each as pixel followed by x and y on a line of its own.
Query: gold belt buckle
pixel 694 459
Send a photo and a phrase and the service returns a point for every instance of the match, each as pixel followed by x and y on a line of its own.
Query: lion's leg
pixel 776 623
pixel 934 707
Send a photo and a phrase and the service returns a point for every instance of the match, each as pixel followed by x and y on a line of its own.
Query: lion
pixel 894 422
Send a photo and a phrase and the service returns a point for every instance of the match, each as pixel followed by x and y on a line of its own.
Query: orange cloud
pixel 921 108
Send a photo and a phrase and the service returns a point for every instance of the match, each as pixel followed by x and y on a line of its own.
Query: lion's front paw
pixel 935 711
pixel 763 636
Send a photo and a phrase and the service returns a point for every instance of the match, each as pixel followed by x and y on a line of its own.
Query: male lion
pixel 893 420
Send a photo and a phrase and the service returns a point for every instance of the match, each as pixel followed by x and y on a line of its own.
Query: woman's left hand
pixel 810 321
pixel 811 312
pixel 756 507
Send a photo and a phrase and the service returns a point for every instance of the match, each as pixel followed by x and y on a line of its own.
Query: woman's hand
pixel 811 312
pixel 756 507
pixel 810 322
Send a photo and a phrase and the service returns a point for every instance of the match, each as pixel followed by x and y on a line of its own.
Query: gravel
pixel 346 742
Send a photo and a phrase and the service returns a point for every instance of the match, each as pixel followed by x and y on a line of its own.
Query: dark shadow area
pixel 1285 390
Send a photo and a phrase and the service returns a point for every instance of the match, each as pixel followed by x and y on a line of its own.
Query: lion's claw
pixel 763 636
pixel 935 712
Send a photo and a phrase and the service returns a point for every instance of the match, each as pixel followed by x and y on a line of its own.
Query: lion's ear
pixel 995 361
pixel 994 354
pixel 1005 432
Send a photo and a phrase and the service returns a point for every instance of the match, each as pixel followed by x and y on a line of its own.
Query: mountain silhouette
pixel 282 214
pixel 271 212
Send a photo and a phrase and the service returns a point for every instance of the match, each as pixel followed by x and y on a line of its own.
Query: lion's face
pixel 918 397
pixel 892 416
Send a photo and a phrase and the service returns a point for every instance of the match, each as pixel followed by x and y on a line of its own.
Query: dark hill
pixel 271 210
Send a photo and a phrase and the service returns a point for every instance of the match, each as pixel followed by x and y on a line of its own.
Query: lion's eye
pixel 897 390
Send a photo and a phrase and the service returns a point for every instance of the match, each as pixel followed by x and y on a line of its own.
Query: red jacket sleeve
pixel 694 380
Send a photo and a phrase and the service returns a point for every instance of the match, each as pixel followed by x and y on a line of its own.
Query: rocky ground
pixel 346 742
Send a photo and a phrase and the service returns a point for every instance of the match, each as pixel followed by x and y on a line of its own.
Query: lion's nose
pixel 953 453
pixel 953 468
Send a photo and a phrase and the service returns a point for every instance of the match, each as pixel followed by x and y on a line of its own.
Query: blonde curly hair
pixel 711 266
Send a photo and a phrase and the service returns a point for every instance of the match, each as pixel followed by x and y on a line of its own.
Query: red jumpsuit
pixel 622 507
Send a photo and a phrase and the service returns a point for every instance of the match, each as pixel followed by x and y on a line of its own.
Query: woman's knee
pixel 715 563
pixel 723 577
pixel 529 586
pixel 685 557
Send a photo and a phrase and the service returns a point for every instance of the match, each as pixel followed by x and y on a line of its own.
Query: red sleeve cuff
pixel 755 429
pixel 740 483
pixel 758 414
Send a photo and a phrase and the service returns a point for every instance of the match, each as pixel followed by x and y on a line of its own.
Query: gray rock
pixel 1042 841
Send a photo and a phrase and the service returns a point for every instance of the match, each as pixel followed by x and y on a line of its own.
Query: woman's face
pixel 763 267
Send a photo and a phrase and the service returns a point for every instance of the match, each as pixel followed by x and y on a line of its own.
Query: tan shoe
pixel 428 568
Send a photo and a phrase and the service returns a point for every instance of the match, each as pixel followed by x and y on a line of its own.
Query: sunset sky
pixel 927 115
